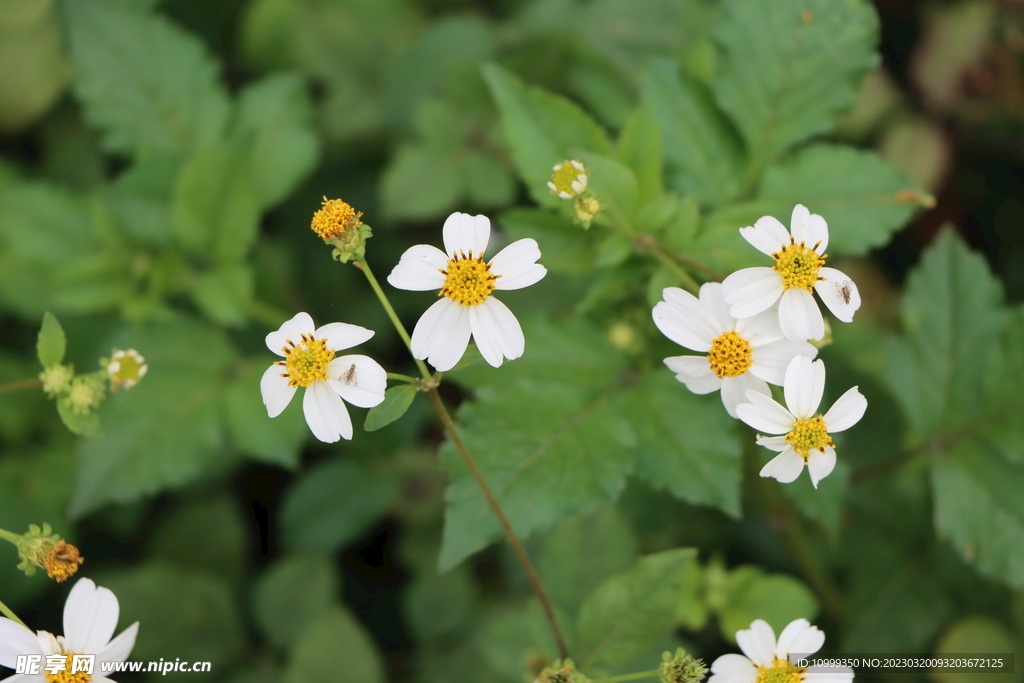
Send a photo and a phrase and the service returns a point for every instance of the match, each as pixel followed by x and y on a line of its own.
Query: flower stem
pixel 20 384
pixel 517 546
pixel 6 611
pixel 685 278
pixel 10 536
pixel 383 298
pixel 628 677
pixel 403 378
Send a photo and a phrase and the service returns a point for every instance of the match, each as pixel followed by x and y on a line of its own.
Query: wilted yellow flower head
pixel 335 218
pixel 62 561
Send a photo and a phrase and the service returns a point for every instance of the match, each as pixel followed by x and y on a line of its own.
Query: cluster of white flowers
pixel 754 328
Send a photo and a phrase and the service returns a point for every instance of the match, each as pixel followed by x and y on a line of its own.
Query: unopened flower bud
pixel 125 369
pixel 57 379
pixel 561 672
pixel 681 668
pixel 568 180
pixel 86 393
pixel 587 209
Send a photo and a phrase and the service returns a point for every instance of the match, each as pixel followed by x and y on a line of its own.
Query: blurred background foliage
pixel 160 162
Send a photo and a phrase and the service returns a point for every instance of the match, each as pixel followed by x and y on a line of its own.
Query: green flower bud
pixel 682 668
pixel 57 379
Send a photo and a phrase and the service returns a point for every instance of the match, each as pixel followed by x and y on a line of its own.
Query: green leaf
pixel 565 247
pixel 334 648
pixel 275 122
pixel 420 183
pixel 685 442
pixel 702 151
pixel 51 343
pixel 225 293
pixel 630 611
pixel 292 593
pixel 639 147
pixel 397 400
pixel 616 187
pixel 541 128
pixel 749 593
pixel 440 604
pixel 209 532
pixel 332 503
pixel 513 632
pixel 277 441
pixel 87 424
pixel 216 207
pixel 788 68
pixel 127 88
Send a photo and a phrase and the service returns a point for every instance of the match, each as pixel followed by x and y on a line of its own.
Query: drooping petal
pixel 419 269
pixel 360 380
pixel 752 290
pixel 695 373
pixel 784 467
pixel 799 316
pixel 767 235
pixel 90 617
pixel 517 265
pixel 803 386
pixel 764 414
pixel 773 443
pixel 442 334
pixel 807 641
pixel 326 413
pixel 820 465
pixel 276 392
pixel 683 319
pixel 15 640
pixel 771 360
pixel 496 331
pixel 291 330
pixel 789 636
pixel 846 411
pixel 466 234
pixel 760 329
pixel 839 293
pixel 120 647
pixel 734 667
pixel 757 642
pixel 713 299
pixel 734 391
pixel 341 336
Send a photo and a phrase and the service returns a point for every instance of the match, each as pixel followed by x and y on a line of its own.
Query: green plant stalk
pixel 628 677
pixel 6 611
pixel 10 536
pixel 685 278
pixel 383 298
pixel 403 378
pixel 20 384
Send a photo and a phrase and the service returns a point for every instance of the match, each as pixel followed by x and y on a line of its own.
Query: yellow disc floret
pixel 798 265
pixel 781 671
pixel 65 675
pixel 468 281
pixel 730 355
pixel 568 180
pixel 62 562
pixel 809 435
pixel 335 218
pixel 306 361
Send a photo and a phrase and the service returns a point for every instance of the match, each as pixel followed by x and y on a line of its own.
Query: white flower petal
pixel 784 467
pixel 326 413
pixel 496 331
pixel 49 644
pixel 683 319
pixel 419 269
pixel 773 443
pixel 771 360
pixel 735 665
pixel 695 373
pixel 809 640
pixel 765 415
pixel 757 642
pixel 341 336
pixel 90 617
pixel 767 235
pixel 752 290
pixel 516 265
pixel 803 386
pixel 360 380
pixel 734 391
pixel 789 636
pixel 820 465
pixel 799 316
pixel 442 334
pixel 466 234
pixel 120 647
pixel 809 228
pixel 760 329
pixel 713 299
pixel 276 392
pixel 835 290
pixel 15 640
pixel 846 411
pixel 292 330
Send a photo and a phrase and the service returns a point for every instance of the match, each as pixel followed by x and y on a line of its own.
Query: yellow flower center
pixel 798 265
pixel 809 435
pixel 468 280
pixel 730 355
pixel 62 562
pixel 126 368
pixel 306 361
pixel 781 671
pixel 568 180
pixel 65 676
pixel 334 218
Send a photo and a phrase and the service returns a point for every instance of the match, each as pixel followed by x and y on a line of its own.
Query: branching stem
pixel 20 384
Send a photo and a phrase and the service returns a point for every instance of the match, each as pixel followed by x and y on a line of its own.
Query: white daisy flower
pixel 799 268
pixel 465 282
pixel 771 661
pixel 805 436
pixel 309 362
pixel 90 617
pixel 741 355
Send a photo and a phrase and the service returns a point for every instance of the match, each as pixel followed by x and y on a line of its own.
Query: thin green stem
pixel 403 378
pixel 628 677
pixel 687 281
pixel 383 298
pixel 20 384
pixel 10 536
pixel 492 500
pixel 6 611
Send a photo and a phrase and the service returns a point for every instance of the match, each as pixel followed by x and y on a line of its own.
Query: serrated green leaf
pixel 616 187
pixel 632 610
pixel 397 400
pixel 51 342
pixel 121 55
pixel 788 68
pixel 291 593
pixel 277 441
pixel 334 648
pixel 639 147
